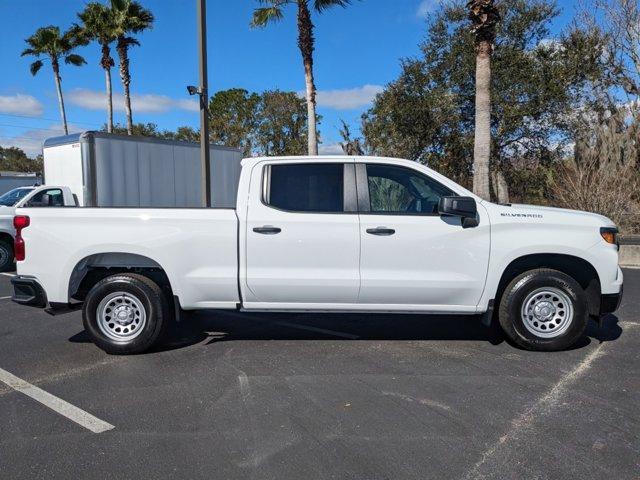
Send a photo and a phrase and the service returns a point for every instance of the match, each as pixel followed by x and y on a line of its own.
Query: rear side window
pixel 305 187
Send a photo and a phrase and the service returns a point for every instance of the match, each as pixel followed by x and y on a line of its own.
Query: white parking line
pixel 5 298
pixel 56 404
pixel 8 274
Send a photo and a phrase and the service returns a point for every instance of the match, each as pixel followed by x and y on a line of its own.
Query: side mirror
pixel 463 207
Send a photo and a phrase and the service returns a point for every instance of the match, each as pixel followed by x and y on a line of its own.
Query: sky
pixel 358 52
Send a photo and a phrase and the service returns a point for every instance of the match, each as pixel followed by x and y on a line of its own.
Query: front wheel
pixel 544 310
pixel 125 314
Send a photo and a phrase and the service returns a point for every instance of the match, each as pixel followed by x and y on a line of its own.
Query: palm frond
pixel 263 16
pixel 35 67
pixel 120 5
pixel 30 51
pixel 74 59
pixel 128 42
pixel 322 5
pixel 98 22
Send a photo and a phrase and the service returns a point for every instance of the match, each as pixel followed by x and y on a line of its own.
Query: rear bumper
pixel 27 291
pixel 609 303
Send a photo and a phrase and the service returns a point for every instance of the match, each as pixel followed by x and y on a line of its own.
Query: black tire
pixel 6 256
pixel 153 301
pixel 510 312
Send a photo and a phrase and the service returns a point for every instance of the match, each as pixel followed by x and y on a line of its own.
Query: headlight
pixel 610 235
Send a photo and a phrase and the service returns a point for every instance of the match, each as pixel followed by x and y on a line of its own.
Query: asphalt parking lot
pixel 235 396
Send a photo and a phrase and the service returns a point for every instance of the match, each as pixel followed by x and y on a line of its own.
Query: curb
pixel 629 255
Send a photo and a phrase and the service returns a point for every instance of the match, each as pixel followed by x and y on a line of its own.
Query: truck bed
pixel 197 248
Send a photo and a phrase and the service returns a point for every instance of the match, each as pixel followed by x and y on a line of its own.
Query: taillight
pixel 20 222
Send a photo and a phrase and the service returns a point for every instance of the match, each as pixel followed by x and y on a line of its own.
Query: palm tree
pixel 484 16
pixel 274 12
pixel 130 17
pixel 48 42
pixel 98 23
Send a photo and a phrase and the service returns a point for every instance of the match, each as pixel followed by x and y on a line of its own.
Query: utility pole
pixel 203 91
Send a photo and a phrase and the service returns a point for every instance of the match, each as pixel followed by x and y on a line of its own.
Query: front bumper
pixel 609 303
pixel 27 291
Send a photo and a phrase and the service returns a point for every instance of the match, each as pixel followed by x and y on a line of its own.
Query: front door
pixel 303 240
pixel 412 258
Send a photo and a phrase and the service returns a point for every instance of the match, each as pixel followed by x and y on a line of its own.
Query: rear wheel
pixel 125 314
pixel 6 256
pixel 544 310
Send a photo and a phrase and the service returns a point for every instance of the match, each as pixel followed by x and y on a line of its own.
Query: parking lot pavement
pixel 322 396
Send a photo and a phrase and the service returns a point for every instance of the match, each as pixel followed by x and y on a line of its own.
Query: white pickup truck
pixel 323 234
pixel 40 196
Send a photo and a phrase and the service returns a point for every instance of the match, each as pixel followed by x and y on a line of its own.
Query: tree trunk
pixel 306 45
pixel 125 76
pixel 500 187
pixel 107 63
pixel 56 76
pixel 482 148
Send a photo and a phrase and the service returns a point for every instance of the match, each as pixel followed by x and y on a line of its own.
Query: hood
pixel 4 210
pixel 6 218
pixel 551 214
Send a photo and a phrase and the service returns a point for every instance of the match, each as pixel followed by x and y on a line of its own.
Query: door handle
pixel 267 230
pixel 381 231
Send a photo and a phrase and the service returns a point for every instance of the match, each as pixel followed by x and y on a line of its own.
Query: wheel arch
pixel 6 237
pixel 577 268
pixel 95 267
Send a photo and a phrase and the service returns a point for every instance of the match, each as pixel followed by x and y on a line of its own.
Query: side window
pixel 402 191
pixel 305 187
pixel 47 198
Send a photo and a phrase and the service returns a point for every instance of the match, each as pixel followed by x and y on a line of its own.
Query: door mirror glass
pixel 463 207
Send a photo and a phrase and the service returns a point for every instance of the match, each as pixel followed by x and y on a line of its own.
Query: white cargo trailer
pixel 107 170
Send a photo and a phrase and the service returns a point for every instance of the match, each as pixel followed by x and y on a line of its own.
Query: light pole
pixel 203 92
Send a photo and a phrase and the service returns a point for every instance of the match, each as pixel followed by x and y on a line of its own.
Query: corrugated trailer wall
pixel 161 174
pixel 121 171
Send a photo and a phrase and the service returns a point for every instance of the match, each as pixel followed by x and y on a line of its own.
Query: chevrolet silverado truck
pixel 323 234
pixel 25 196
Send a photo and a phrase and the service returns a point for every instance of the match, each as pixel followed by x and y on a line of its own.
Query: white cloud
pixel 146 103
pixel 347 99
pixel 31 140
pixel 20 104
pixel 426 7
pixel 330 149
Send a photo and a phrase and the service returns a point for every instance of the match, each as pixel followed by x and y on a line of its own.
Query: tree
pixel 234 119
pixel 539 81
pixel 98 24
pixel 484 17
pixel 14 159
pixel 282 128
pixel 49 42
pixel 130 18
pixel 351 146
pixel 306 43
pixel 186 134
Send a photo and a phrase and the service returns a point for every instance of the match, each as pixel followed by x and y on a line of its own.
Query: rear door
pixel 412 258
pixel 302 237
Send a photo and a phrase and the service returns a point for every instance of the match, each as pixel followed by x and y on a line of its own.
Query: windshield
pixel 12 197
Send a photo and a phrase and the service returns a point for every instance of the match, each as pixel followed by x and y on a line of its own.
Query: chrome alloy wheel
pixel 547 312
pixel 121 316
